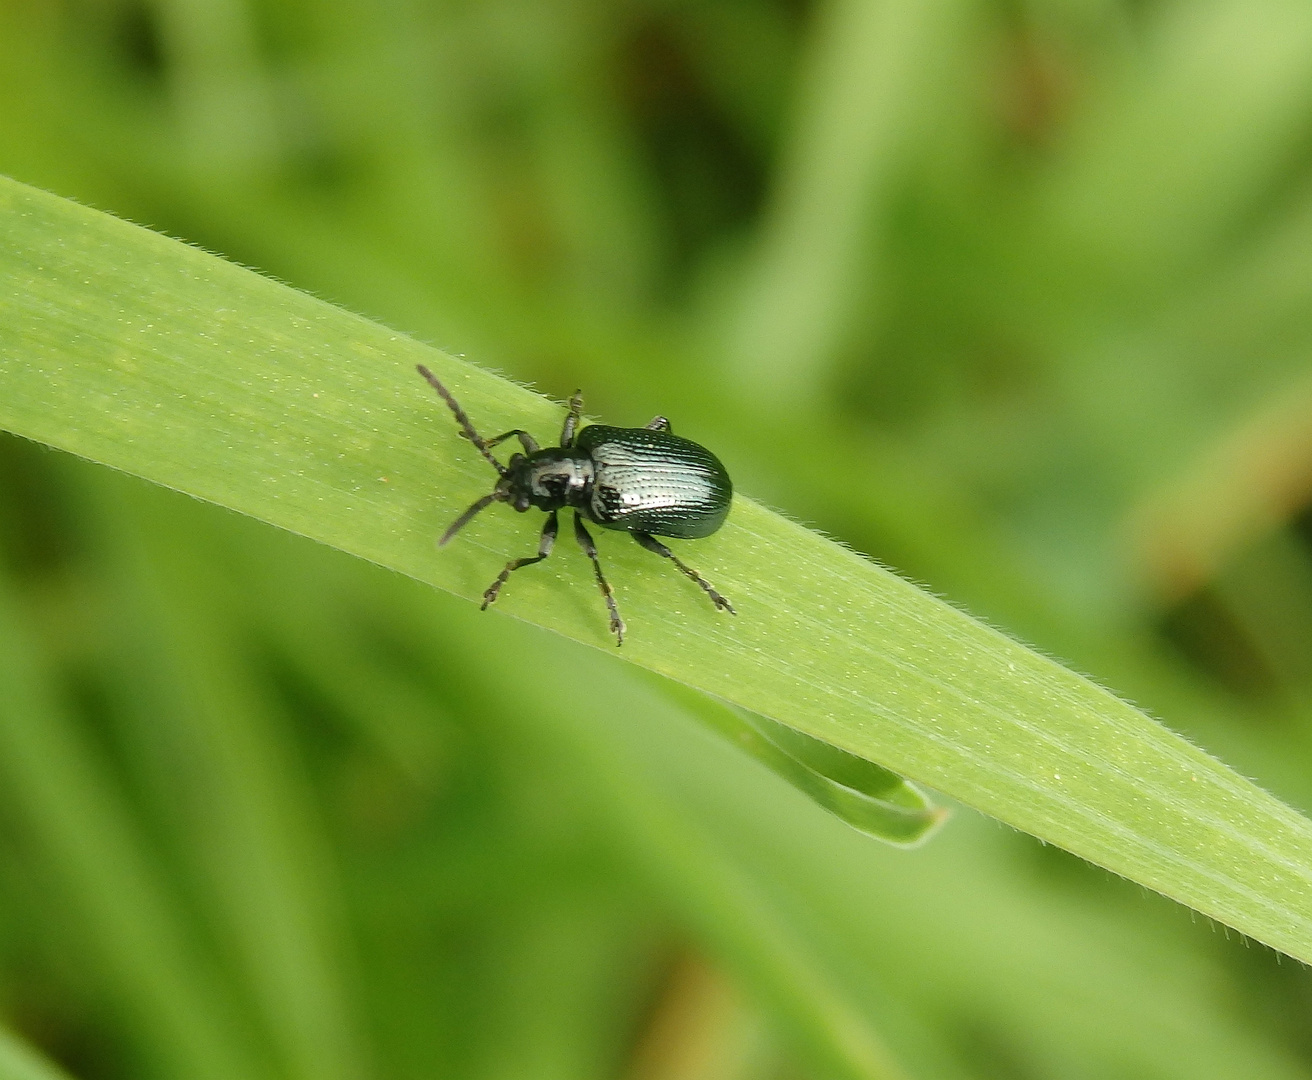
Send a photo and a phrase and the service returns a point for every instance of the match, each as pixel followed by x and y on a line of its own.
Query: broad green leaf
pixel 152 357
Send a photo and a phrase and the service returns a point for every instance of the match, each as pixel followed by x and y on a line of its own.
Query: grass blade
pixel 152 357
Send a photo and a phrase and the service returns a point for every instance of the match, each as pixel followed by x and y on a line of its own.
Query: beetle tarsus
pixel 652 544
pixel 584 538
pixel 545 543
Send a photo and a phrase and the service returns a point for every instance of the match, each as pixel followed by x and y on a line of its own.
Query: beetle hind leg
pixel 590 550
pixel 652 544
pixel 545 543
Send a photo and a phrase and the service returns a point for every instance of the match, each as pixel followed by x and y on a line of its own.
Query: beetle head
pixel 515 485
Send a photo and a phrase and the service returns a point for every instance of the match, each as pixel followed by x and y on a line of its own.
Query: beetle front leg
pixel 572 419
pixel 652 544
pixel 590 550
pixel 526 440
pixel 545 543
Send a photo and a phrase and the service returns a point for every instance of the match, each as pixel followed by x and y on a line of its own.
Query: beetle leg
pixel 658 423
pixel 652 544
pixel 572 419
pixel 545 543
pixel 590 550
pixel 526 440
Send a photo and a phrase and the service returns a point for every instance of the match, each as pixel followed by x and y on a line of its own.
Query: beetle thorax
pixel 549 479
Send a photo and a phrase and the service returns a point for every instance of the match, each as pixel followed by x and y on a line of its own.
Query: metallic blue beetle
pixel 644 481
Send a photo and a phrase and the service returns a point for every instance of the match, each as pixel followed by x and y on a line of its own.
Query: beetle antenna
pixel 465 518
pixel 468 431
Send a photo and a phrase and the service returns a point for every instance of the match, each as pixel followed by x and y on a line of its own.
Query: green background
pixel 1013 297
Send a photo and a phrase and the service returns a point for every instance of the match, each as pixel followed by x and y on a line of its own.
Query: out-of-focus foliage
pixel 1013 296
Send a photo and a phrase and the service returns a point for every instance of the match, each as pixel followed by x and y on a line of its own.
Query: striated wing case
pixel 652 481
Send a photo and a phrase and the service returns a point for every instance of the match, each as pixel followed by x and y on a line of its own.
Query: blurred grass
pixel 1060 386
pixel 18 1062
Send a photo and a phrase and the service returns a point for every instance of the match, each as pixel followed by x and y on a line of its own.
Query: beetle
pixel 645 481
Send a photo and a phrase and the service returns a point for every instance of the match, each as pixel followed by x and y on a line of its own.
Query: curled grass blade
pixel 868 797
